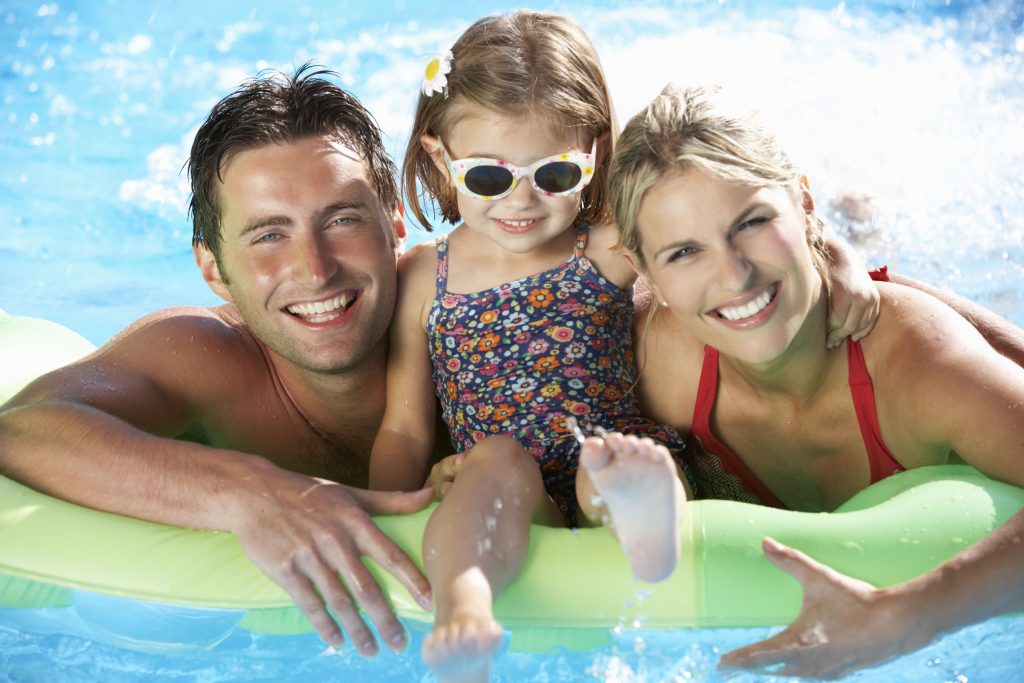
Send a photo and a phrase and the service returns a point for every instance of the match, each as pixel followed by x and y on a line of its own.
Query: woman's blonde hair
pixel 687 128
pixel 524 62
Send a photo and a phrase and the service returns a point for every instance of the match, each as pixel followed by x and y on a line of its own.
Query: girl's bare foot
pixel 642 499
pixel 465 635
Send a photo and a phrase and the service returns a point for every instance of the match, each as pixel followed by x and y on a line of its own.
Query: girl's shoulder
pixel 604 252
pixel 418 258
pixel 417 273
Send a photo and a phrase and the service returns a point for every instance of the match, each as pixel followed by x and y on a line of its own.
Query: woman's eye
pixel 681 253
pixel 751 223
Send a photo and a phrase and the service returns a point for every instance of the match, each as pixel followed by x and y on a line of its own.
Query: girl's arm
pixel 404 444
pixel 854 299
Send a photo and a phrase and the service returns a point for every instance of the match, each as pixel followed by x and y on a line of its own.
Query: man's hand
pixel 843 625
pixel 308 535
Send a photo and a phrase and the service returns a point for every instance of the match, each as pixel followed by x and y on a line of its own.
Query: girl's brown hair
pixel 525 62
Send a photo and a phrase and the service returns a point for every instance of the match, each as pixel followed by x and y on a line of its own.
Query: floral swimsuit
pixel 522 357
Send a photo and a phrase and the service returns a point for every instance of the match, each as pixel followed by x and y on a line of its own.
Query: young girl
pixel 519 319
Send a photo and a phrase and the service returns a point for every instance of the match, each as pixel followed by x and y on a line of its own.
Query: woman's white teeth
pixel 750 308
pixel 321 307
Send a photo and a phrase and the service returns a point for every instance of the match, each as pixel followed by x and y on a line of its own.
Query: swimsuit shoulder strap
pixel 880 459
pixel 441 243
pixel 701 429
pixel 582 232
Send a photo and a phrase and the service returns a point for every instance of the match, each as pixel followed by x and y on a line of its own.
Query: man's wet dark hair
pixel 272 109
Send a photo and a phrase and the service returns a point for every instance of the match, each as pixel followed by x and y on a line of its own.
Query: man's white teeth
pixel 750 308
pixel 320 307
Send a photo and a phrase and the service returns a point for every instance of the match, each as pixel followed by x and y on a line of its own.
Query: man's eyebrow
pixel 261 222
pixel 342 205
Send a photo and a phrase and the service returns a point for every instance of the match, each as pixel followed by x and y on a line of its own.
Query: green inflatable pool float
pixel 575 585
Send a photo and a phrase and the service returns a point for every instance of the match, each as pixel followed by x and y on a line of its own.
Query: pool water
pixel 919 104
pixel 96 641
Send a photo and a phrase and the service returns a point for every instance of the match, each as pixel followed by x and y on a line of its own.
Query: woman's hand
pixel 844 624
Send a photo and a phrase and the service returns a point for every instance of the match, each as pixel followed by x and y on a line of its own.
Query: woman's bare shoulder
pixel 915 329
pixel 669 360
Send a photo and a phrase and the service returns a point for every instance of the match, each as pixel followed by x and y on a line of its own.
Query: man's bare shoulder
pixel 215 322
pixel 189 349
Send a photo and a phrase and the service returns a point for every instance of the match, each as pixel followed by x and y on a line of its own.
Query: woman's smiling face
pixel 731 262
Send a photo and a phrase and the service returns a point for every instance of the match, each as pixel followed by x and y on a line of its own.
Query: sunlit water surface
pixel 917 104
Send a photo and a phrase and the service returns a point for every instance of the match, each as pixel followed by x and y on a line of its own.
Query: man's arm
pixel 97 433
pixel 846 624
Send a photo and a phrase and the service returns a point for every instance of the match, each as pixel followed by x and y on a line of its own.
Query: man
pixel 242 417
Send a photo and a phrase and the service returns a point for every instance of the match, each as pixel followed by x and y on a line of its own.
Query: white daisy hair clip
pixel 435 78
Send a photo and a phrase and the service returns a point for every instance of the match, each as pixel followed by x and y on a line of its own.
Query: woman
pixel 723 230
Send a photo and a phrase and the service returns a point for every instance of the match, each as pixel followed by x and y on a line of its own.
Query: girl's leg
pixel 631 485
pixel 473 546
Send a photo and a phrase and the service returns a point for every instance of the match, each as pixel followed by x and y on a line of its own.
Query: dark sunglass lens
pixel 558 176
pixel 488 180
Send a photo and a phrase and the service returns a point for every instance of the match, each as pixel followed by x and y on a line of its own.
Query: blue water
pixel 918 104
pixel 99 640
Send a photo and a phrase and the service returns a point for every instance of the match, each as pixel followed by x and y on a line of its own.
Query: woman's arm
pixel 941 390
pixel 404 445
pixel 846 624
